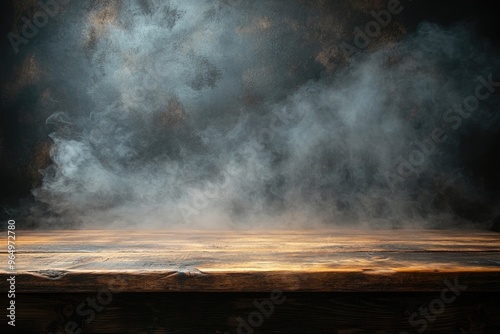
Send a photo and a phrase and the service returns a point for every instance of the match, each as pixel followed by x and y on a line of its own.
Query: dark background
pixel 24 144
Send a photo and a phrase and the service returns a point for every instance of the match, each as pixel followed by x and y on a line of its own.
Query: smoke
pixel 187 114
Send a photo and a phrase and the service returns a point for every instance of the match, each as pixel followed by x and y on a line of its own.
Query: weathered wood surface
pixel 252 261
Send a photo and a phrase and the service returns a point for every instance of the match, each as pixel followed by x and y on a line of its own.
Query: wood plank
pixel 251 261
pixel 301 313
pixel 316 240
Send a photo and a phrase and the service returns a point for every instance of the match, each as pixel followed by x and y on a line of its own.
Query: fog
pixel 193 114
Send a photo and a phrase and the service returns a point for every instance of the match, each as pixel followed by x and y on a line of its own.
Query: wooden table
pixel 333 281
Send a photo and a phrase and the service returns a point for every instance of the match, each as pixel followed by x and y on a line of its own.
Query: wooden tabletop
pixel 251 261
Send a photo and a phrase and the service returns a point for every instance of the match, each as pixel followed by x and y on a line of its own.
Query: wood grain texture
pixel 252 261
pixel 219 313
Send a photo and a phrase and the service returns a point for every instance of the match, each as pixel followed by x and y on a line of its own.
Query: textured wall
pixel 235 112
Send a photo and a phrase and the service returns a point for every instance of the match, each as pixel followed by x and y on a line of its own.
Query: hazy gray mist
pixel 216 114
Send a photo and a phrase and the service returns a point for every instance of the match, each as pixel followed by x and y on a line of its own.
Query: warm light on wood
pixel 224 261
